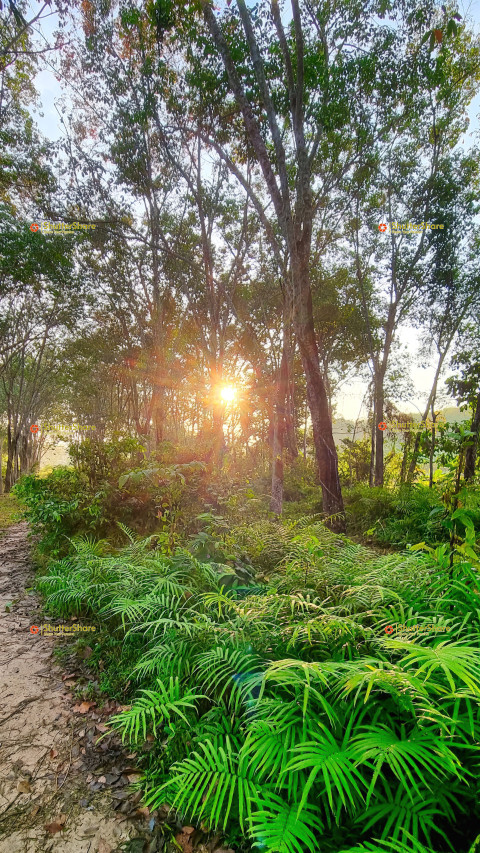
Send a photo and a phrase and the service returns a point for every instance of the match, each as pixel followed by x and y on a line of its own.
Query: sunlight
pixel 228 393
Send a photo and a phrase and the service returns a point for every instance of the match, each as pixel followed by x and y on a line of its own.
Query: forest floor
pixel 61 789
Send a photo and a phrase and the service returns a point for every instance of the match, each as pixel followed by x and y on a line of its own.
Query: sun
pixel 228 393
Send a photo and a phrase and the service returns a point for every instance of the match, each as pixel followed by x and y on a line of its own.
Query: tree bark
pixel 379 405
pixel 279 430
pixel 318 404
pixel 471 453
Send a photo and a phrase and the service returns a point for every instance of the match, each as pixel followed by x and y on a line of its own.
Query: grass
pixel 10 509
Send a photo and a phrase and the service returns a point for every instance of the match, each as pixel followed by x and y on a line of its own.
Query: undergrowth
pixel 331 703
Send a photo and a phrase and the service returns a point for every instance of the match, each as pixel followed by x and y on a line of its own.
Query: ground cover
pixel 332 699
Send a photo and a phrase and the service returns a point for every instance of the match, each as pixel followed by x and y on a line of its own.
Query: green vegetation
pixel 289 685
pixel 10 511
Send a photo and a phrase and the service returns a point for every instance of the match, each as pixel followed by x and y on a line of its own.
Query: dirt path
pixel 60 790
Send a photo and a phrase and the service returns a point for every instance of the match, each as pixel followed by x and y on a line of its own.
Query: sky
pixel 350 395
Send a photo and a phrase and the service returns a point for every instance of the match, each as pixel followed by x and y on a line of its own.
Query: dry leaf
pixel 102 780
pixel 143 812
pixel 23 787
pixel 84 707
pixel 133 777
pixel 101 727
pixel 54 827
pixel 53 753
pixel 34 811
pixel 438 35
pixel 104 846
pixel 188 830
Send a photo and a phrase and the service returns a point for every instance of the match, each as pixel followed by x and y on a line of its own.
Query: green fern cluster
pixel 285 712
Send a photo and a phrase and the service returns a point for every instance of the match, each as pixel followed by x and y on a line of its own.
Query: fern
pixel 154 707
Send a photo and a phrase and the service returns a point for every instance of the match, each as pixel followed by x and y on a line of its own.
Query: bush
pixel 57 507
pixel 289 714
pixel 395 517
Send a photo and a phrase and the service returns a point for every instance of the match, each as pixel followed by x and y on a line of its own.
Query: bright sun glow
pixel 228 393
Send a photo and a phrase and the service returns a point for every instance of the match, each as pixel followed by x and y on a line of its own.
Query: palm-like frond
pixel 211 783
pixel 335 765
pixel 276 827
pixel 154 707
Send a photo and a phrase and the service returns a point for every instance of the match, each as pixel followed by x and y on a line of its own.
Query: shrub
pixel 286 712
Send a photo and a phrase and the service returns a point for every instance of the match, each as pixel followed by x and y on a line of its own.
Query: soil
pixel 61 789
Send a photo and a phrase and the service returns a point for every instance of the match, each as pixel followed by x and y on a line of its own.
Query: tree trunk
pixel 378 407
pixel 318 404
pixel 9 473
pixel 279 430
pixel 403 469
pixel 432 450
pixel 290 438
pixel 371 475
pixel 1 478
pixel 471 453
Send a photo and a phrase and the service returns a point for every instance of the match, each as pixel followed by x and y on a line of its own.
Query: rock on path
pixel 47 802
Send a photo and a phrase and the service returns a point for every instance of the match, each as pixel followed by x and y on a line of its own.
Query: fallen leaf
pixel 84 707
pixel 133 777
pixel 184 842
pixel 68 675
pixel 54 827
pixel 102 780
pixel 188 830
pixel 101 727
pixel 104 846
pixel 53 753
pixel 34 811
pixel 143 812
pixel 23 787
